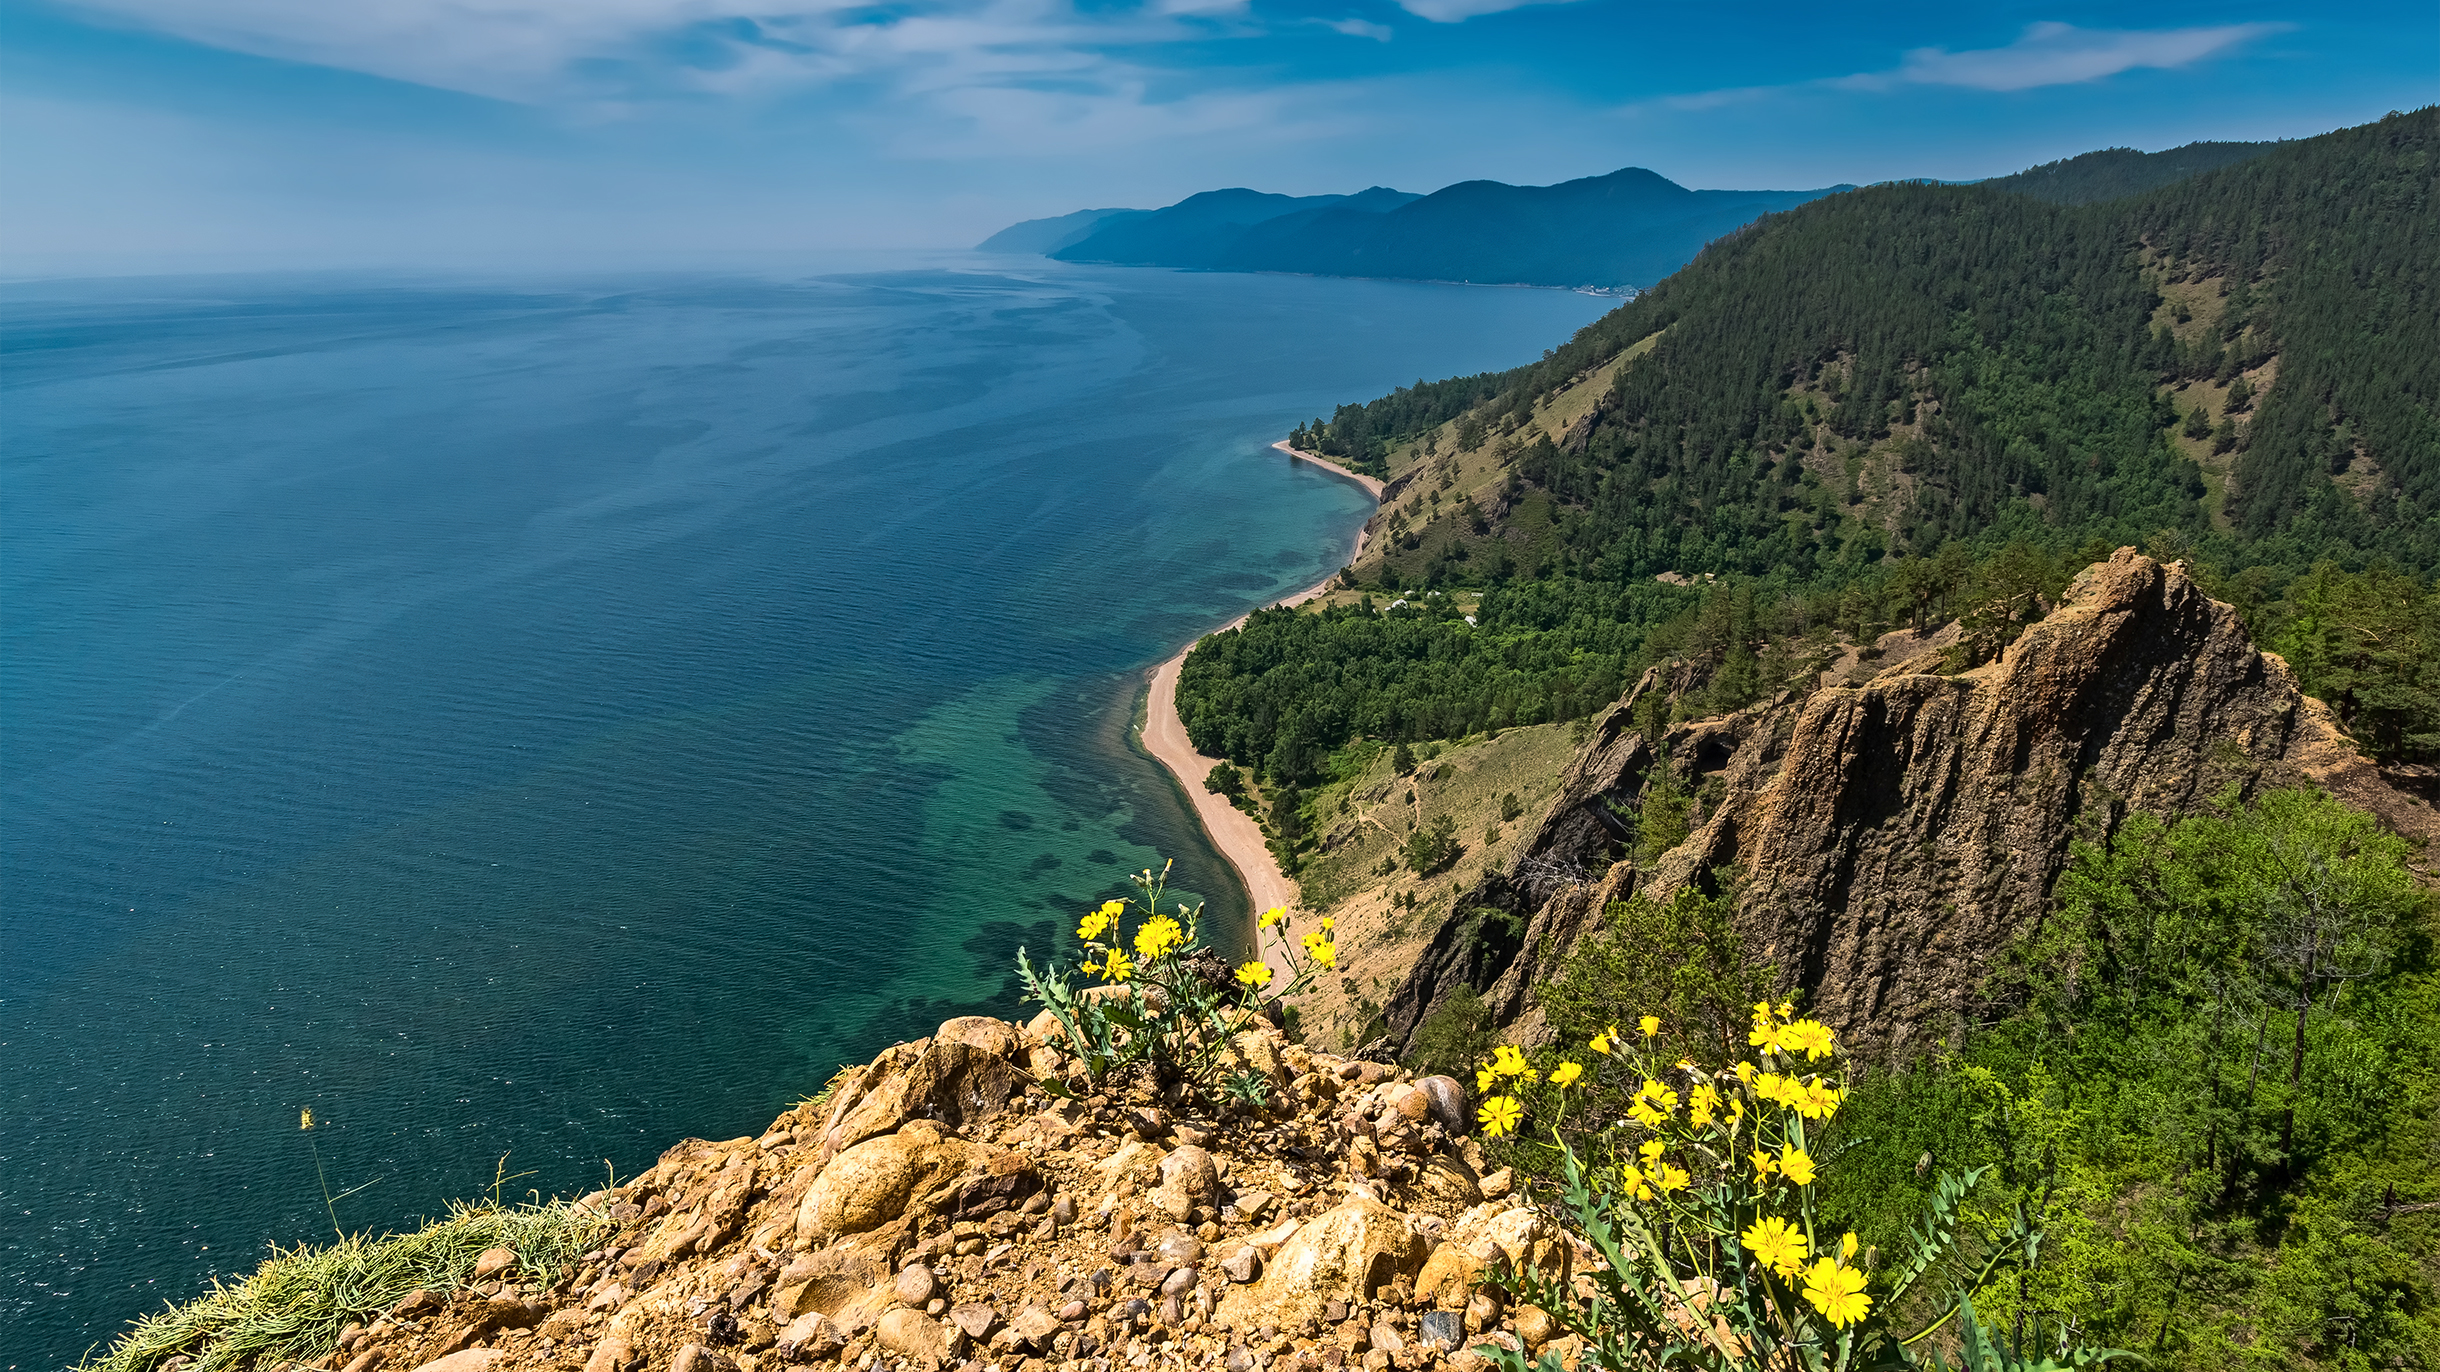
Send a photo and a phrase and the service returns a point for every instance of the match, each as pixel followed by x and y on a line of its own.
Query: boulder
pixel 1446 1101
pixel 913 1334
pixel 1351 1252
pixel 996 1037
pixel 491 1262
pixel 871 1184
pixel 951 1083
pixel 1190 1171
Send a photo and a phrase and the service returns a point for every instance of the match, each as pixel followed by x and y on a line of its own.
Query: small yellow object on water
pixel 305 1120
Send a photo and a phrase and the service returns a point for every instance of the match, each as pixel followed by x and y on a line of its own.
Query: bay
pixel 544 718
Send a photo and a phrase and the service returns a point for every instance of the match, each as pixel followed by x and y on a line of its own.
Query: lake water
pixel 555 717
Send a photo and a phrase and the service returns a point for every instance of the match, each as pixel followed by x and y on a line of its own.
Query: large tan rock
pixel 951 1082
pixel 996 1037
pixel 871 1184
pixel 913 1334
pixel 1351 1252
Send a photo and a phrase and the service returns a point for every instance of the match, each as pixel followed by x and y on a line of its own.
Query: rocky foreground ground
pixel 939 1209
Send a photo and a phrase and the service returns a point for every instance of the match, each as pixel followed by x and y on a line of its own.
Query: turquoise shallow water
pixel 557 717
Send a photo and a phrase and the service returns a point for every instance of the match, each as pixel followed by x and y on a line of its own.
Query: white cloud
pixel 1360 28
pixel 1458 11
pixel 2052 54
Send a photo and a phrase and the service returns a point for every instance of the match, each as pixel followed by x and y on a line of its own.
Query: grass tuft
pixel 295 1304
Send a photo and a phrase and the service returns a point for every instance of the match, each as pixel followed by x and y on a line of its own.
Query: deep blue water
pixel 558 717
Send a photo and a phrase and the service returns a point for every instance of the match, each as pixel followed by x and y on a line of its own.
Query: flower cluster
pixel 1170 1014
pixel 1716 1164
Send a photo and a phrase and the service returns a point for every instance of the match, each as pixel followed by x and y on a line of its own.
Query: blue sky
pixel 312 132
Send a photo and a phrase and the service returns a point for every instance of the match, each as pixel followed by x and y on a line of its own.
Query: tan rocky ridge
pixel 940 1210
pixel 1899 826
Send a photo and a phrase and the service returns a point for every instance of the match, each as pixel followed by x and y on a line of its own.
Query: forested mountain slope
pixel 2115 172
pixel 1911 403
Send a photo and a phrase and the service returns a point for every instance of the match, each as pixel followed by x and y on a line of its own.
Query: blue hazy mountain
pixel 1197 231
pixel 1631 227
pixel 1045 236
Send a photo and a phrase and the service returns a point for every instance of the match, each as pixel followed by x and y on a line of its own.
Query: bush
pixel 1224 780
pixel 1432 846
pixel 1172 1005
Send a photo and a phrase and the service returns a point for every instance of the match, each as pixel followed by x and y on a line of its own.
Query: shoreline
pixel 1163 734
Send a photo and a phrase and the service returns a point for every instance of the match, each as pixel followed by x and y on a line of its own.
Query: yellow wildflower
pixel 1745 1073
pixel 1768 1036
pixel 1650 1024
pixel 1705 1104
pixel 1158 936
pixel 1837 1291
pixel 1605 1041
pixel 1092 924
pixel 1637 1184
pixel 1650 1149
pixel 1763 1166
pixel 1274 915
pixel 1787 1009
pixel 1483 1077
pixel 1846 1247
pixel 1565 1073
pixel 1509 1062
pixel 1774 1088
pixel 1319 948
pixel 1256 973
pixel 1118 968
pixel 1668 1177
pixel 1500 1115
pixel 1796 1165
pixel 1653 1104
pixel 1812 1037
pixel 1776 1244
pixel 1817 1101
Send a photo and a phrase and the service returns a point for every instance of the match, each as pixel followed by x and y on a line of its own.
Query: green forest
pixel 1914 403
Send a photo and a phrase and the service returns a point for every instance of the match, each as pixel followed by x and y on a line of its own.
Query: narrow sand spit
pixel 1237 837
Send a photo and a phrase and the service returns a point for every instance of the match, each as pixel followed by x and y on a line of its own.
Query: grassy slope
pixel 1365 818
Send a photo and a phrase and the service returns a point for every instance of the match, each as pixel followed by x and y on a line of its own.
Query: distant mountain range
pixel 1629 228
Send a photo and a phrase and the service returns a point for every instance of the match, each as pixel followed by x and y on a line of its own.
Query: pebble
pixel 1181 1281
pixel 1243 1265
pixel 1442 1328
pixel 916 1285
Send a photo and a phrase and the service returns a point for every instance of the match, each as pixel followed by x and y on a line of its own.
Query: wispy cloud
pixel 1458 11
pixel 1360 28
pixel 2047 54
pixel 2060 55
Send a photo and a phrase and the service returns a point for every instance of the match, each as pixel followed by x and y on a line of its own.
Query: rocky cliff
pixel 937 1209
pixel 1897 827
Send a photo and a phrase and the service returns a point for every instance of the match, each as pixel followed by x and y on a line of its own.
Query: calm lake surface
pixel 555 717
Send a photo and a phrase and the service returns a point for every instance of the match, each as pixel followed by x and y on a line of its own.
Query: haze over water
pixel 559 717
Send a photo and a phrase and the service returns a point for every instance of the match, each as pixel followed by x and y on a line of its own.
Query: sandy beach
pixel 1232 831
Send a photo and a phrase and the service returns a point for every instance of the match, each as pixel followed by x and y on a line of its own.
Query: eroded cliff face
pixel 1897 832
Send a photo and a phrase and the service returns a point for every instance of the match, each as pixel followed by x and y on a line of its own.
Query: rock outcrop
pixel 1897 831
pixel 941 1210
